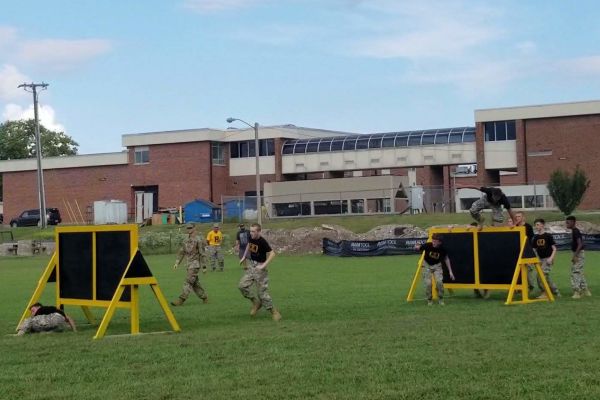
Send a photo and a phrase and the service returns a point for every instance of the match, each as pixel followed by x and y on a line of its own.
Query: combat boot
pixel 276 315
pixel 178 302
pixel 576 295
pixel 256 305
pixel 205 300
pixel 587 293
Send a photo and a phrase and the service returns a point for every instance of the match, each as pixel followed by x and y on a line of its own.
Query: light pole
pixel 256 154
pixel 32 87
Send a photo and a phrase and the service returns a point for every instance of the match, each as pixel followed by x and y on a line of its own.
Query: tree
pixel 567 191
pixel 17 140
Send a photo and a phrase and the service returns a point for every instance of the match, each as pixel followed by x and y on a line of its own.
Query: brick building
pixel 516 148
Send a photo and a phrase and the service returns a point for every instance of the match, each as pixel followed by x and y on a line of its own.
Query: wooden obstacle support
pixel 495 258
pixel 100 266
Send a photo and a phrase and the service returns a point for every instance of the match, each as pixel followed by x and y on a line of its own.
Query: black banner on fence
pixel 394 247
pixel 385 247
pixel 563 241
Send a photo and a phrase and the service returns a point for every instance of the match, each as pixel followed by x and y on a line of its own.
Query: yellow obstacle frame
pixel 53 269
pixel 513 287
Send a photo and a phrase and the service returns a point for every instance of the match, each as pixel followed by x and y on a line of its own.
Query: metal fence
pixel 378 201
pixel 414 200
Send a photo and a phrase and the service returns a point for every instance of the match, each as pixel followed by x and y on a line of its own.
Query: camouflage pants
pixel 44 323
pixel 260 278
pixel 192 282
pixel 532 277
pixel 578 281
pixel 215 257
pixel 479 205
pixel 436 271
pixel 546 269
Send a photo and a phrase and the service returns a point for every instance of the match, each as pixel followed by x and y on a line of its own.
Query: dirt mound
pixel 584 227
pixel 310 240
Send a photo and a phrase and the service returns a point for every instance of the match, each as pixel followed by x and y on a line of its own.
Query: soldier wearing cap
pixel 214 238
pixel 193 251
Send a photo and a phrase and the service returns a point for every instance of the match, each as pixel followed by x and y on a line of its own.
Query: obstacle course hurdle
pixel 494 258
pixel 100 266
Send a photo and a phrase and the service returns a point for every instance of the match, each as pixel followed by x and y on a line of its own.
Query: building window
pixel 500 130
pixel 142 155
pixel 218 153
pixel 247 148
pixel 234 149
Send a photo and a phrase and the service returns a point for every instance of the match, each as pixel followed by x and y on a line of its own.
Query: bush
pixel 567 191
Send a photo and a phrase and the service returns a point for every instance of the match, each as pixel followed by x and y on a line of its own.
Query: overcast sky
pixel 117 67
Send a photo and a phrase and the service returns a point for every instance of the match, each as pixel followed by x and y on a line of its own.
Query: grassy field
pixel 346 333
pixel 357 224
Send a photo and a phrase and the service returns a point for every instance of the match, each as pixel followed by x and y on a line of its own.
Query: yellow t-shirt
pixel 214 238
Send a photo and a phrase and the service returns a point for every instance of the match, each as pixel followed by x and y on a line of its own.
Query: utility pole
pixel 33 88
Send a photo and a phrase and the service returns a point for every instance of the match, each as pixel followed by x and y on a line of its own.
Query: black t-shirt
pixel 488 193
pixel 529 231
pixel 543 244
pixel 433 255
pixel 259 249
pixel 242 237
pixel 574 238
pixel 47 310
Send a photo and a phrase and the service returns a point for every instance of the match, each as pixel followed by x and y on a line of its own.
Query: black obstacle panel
pixel 139 268
pixel 75 260
pixel 460 253
pixel 498 256
pixel 112 257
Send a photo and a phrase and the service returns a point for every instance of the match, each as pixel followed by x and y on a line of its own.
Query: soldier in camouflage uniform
pixel 260 254
pixel 46 319
pixel 578 281
pixel 193 250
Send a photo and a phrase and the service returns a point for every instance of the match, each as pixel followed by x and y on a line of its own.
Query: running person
pixel 261 254
pixel 193 252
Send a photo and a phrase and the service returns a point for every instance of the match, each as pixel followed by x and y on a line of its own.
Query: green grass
pixel 355 223
pixel 347 333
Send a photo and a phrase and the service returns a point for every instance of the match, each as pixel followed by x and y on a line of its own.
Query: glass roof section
pixel 429 137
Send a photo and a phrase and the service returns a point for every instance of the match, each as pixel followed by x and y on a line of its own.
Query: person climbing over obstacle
pixel 434 255
pixel 492 198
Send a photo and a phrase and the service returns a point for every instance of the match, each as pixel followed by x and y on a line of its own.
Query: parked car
pixel 32 218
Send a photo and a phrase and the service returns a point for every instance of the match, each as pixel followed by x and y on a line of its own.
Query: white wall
pixel 500 154
pixel 459 153
pixel 247 166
